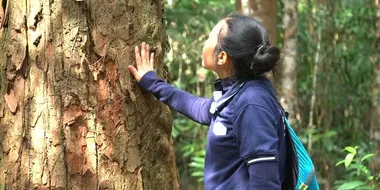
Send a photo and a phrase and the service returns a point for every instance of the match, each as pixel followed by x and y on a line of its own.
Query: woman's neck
pixel 224 73
pixel 224 76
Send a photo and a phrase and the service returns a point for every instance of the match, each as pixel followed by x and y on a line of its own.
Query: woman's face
pixel 208 58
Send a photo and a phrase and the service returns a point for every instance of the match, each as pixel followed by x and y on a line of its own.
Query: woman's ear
pixel 222 58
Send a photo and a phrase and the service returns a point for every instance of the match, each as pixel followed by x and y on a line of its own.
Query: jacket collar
pixel 225 90
pixel 232 87
pixel 225 84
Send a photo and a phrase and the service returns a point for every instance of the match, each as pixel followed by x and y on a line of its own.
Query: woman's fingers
pixel 138 57
pixel 143 56
pixel 151 61
pixel 147 53
pixel 144 61
pixel 134 72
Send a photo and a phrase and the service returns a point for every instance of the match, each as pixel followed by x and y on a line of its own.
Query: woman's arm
pixel 195 108
pixel 255 130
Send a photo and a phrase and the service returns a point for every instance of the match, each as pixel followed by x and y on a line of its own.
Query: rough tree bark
pixel 263 10
pixel 70 115
pixel 375 116
pixel 288 67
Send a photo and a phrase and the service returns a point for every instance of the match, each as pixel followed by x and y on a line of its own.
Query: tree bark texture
pixel 71 117
pixel 288 66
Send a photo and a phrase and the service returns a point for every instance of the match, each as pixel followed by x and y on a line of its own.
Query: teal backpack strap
pixel 307 183
pixel 306 167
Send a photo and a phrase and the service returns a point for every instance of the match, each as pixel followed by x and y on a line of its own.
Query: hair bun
pixel 265 59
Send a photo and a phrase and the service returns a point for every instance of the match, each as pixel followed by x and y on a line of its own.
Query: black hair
pixel 246 42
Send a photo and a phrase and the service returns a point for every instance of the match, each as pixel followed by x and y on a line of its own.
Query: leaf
pixel 348 159
pixel 364 169
pixel 350 185
pixel 350 149
pixel 366 157
pixel 197 174
pixel 197 165
pixel 339 163
pixel 199 159
pixel 187 154
pixel 175 133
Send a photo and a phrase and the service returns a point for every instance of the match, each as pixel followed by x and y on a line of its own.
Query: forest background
pixel 328 79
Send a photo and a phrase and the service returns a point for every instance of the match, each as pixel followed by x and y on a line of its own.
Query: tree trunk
pixel 289 64
pixel 375 118
pixel 71 117
pixel 263 10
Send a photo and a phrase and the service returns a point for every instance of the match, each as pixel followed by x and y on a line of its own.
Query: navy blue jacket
pixel 246 139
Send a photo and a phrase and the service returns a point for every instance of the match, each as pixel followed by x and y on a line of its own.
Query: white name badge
pixel 217 95
pixel 219 129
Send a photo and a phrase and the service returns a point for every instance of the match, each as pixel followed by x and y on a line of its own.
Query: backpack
pixel 306 178
pixel 306 173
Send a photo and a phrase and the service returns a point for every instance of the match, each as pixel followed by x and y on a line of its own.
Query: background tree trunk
pixel 71 117
pixel 263 10
pixel 288 67
pixel 375 118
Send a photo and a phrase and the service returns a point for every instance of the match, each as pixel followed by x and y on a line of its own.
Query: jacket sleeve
pixel 193 107
pixel 256 133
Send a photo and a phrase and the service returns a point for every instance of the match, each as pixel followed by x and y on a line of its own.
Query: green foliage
pixel 358 175
pixel 198 162
pixel 344 78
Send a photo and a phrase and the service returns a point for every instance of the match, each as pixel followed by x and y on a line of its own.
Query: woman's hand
pixel 143 63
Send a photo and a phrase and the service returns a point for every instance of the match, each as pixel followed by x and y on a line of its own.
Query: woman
pixel 247 146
